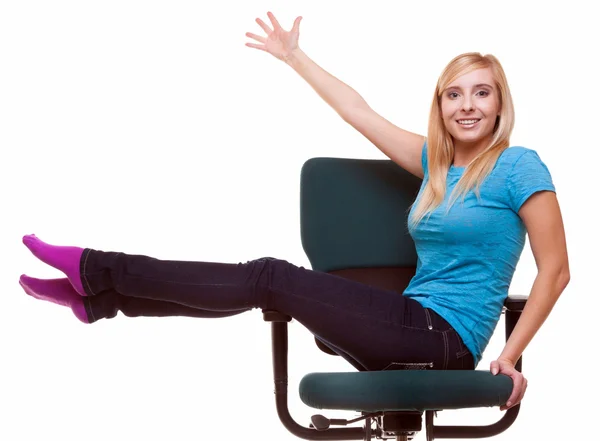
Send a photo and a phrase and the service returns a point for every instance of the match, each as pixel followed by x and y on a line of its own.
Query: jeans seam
pixel 279 292
pixel 388 322
pixel 446 349
pixel 83 272
pixel 88 308
pixel 428 318
pixel 429 364
pixel 354 314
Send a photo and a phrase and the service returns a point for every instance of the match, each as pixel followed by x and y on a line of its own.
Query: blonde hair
pixel 440 148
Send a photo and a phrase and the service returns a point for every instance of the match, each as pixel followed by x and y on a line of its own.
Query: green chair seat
pixel 404 390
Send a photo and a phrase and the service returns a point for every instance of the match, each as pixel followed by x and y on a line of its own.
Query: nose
pixel 467 104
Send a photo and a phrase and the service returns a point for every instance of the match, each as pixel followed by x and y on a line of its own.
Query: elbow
pixel 558 276
pixel 353 112
pixel 565 277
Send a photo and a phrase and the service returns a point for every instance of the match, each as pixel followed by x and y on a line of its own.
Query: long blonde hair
pixel 440 148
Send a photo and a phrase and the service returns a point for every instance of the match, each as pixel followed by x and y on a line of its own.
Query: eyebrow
pixel 476 86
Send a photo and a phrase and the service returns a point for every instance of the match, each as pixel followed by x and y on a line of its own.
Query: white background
pixel 149 127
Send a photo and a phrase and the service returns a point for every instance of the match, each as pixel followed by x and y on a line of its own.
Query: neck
pixel 465 152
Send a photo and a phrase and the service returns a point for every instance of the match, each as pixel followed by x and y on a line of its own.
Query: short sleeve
pixel 529 175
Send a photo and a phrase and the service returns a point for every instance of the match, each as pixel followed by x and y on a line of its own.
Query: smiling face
pixel 470 106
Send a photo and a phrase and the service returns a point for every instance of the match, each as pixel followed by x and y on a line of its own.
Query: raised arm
pixel 401 146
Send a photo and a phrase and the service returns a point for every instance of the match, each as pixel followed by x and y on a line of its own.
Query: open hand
pixel 507 368
pixel 278 42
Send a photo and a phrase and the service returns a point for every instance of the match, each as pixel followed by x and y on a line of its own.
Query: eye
pixel 452 95
pixel 486 93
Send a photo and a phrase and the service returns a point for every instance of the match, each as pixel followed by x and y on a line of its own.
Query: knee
pixel 272 271
pixel 270 259
pixel 273 263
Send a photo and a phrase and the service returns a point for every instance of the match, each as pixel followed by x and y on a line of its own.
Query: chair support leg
pixel 509 417
pixel 280 370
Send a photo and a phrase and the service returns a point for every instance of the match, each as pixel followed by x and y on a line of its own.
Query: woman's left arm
pixel 543 221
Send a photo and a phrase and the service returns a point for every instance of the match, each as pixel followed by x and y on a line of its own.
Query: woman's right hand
pixel 278 42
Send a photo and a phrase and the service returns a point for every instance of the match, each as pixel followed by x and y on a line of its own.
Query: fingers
pixel 523 390
pixel 296 27
pixel 256 37
pixel 519 387
pixel 274 21
pixel 256 46
pixel 263 25
pixel 514 395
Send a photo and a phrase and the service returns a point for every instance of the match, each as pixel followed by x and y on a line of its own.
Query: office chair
pixel 353 216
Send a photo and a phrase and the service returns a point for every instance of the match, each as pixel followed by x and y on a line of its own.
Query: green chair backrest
pixel 353 214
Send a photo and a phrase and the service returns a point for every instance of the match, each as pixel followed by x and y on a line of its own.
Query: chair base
pixel 389 425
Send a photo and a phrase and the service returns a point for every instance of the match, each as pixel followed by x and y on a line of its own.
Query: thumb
pixel 494 367
pixel 296 27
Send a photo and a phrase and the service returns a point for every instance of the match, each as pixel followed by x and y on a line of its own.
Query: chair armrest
pixel 515 302
pixel 275 316
pixel 513 307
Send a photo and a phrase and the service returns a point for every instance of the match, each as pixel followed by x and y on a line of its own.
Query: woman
pixel 478 200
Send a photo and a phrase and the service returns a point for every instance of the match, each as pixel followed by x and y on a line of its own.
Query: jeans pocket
pixel 464 357
pixel 463 353
pixel 462 348
pixel 399 366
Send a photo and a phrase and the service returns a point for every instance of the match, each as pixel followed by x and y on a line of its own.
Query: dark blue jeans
pixel 372 328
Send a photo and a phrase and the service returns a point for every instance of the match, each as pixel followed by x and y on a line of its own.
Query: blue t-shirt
pixel 467 258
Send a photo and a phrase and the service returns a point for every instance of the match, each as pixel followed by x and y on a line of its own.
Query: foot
pixel 59 291
pixel 65 259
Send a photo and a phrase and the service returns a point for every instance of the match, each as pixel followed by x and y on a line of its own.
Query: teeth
pixel 467 121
